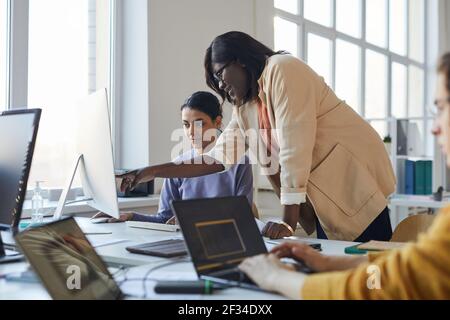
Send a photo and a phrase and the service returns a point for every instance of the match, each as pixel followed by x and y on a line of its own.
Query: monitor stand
pixel 78 164
pixel 8 256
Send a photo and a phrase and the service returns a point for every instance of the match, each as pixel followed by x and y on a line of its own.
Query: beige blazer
pixel 329 157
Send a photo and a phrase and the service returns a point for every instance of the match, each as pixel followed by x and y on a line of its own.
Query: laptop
pixel 66 262
pixel 7 256
pixel 219 234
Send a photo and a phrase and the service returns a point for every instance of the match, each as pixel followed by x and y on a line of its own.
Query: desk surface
pixel 82 206
pixel 116 255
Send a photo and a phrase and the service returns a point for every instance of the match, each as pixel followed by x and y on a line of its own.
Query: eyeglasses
pixel 219 73
pixel 438 107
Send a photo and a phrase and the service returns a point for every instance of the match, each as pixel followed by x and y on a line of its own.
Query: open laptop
pixel 220 233
pixel 66 262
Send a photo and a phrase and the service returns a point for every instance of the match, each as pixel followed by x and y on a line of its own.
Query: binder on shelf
pixel 409 177
pixel 419 178
pixel 401 178
pixel 428 177
pixel 402 137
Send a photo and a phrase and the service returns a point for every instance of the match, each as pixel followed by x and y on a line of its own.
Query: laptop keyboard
pixel 233 275
pixel 166 249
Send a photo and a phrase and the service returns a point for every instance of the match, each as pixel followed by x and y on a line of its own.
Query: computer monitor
pixel 94 161
pixel 18 132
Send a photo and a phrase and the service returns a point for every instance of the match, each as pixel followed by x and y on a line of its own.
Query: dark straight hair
pixel 238 47
pixel 205 102
pixel 444 67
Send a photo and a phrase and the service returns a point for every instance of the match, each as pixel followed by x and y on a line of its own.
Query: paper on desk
pixel 97 243
pixel 381 245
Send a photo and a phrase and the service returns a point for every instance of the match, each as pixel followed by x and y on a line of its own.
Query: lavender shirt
pixel 238 181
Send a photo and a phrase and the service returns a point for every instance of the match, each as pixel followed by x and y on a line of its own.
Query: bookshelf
pixel 414 168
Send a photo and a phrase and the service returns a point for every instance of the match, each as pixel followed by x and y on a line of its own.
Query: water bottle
pixel 37 205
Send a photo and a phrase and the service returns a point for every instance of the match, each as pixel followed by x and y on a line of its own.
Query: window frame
pixel 6 89
pixel 17 61
pixel 306 26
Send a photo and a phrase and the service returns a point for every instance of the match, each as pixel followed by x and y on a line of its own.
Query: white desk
pixel 117 255
pixel 83 207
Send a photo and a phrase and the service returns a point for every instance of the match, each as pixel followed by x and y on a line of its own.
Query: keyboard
pixel 233 274
pixel 165 249
pixel 153 226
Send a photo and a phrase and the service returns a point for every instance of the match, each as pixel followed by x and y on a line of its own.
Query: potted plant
pixel 388 143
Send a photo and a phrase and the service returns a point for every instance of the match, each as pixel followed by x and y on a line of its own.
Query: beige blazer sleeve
pixel 293 90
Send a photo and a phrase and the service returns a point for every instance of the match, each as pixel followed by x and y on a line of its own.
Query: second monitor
pixel 95 161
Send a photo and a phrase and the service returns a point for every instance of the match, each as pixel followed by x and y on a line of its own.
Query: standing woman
pixel 418 271
pixel 332 171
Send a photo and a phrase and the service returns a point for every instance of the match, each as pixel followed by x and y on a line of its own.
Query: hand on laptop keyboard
pixel 101 217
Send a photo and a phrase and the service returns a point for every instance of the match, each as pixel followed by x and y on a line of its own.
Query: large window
pixel 3 52
pixel 371 52
pixel 67 60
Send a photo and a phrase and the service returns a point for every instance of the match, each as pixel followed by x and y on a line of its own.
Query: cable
pixel 121 268
pixel 146 277
pixel 167 264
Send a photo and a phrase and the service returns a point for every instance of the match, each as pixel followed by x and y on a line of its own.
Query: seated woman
pixel 201 116
pixel 419 271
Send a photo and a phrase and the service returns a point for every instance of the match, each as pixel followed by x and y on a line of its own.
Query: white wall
pixel 179 33
pixel 160 47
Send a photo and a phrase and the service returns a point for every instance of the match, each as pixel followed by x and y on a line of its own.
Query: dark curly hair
pixel 238 47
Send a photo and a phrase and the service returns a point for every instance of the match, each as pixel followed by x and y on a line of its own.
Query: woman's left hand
pixel 264 270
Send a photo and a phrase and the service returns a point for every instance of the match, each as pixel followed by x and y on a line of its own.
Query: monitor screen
pixel 219 232
pixel 18 131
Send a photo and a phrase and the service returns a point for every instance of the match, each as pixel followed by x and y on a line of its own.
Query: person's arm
pixel 269 273
pixel 160 217
pixel 276 183
pixel 419 271
pixel 295 97
pixel 315 260
pixel 291 213
pixel 229 150
pixel 169 192
pixel 200 166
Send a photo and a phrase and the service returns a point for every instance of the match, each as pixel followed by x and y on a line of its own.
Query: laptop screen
pixel 66 263
pixel 219 233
